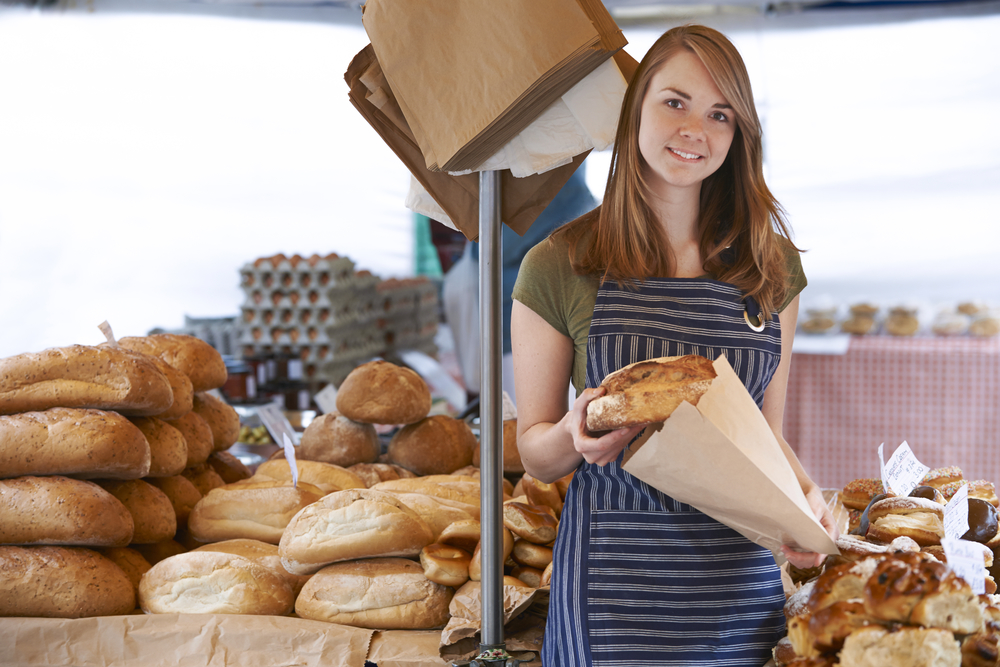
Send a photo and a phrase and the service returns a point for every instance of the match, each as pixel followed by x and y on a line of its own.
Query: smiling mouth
pixel 686 156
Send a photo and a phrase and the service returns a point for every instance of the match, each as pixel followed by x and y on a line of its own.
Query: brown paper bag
pixel 469 76
pixel 722 458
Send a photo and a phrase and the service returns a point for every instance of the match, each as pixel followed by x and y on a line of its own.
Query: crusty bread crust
pixel 649 391
pixel 380 392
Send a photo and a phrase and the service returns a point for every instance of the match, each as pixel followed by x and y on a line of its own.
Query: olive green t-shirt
pixel 547 284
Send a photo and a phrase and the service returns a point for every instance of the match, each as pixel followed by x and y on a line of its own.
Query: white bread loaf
pixel 61 511
pixel 380 392
pixel 208 582
pixel 373 473
pixel 72 441
pixel 446 487
pixel 192 356
pixel 350 524
pixel 222 419
pixel 152 513
pixel 83 376
pixel 378 593
pixel 333 438
pixel 326 476
pixel 257 510
pixel 438 513
pixel 61 582
pixel 167 447
pixel 261 553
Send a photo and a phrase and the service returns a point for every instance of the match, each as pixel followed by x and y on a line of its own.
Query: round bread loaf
pixel 197 436
pixel 436 445
pixel 204 477
pixel 255 510
pixel 83 376
pixel 333 438
pixel 167 447
pixel 445 565
pixel 72 441
pixel 649 391
pixel 374 473
pixel 380 392
pixel 181 492
pixel 132 563
pixel 350 524
pixel 325 476
pixel 59 510
pixel 180 386
pixel 261 553
pixel 210 582
pixel 382 593
pixel 152 513
pixel 229 468
pixel 512 464
pixel 61 582
pixel 190 355
pixel 221 419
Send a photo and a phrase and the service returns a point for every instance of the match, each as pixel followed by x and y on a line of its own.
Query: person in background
pixel 460 292
pixel 688 254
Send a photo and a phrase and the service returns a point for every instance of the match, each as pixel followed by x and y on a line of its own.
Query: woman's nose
pixel 693 127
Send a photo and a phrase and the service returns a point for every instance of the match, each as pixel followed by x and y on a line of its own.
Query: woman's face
pixel 686 126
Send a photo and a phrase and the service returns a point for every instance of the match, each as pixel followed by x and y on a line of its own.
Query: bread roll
pixel 167 447
pixel 204 478
pixel 380 392
pixel 917 518
pixel 325 476
pixel 152 513
pixel 436 445
pixel 61 582
pixel 381 593
pixel 72 441
pixel 350 524
pixel 436 512
pixel 254 510
pixel 542 493
pixel 180 387
pixel 445 565
pixel 373 473
pixel 530 522
pixel 83 376
pixel 191 356
pixel 197 436
pixel 463 534
pixel 530 576
pixel 511 457
pixel 333 438
pixel 939 477
pixel 221 419
pixel 60 510
pixel 181 492
pixel 261 553
pixel 530 554
pixel 229 468
pixel 476 565
pixel 649 391
pixel 546 576
pixel 131 562
pixel 208 582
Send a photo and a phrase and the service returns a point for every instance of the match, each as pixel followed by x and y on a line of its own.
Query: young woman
pixel 688 254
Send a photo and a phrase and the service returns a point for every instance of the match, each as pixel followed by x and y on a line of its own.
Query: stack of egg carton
pixel 331 315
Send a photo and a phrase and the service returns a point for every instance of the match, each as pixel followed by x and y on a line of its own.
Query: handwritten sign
pixel 956 514
pixel 903 472
pixel 326 399
pixel 966 560
pixel 276 423
pixel 290 457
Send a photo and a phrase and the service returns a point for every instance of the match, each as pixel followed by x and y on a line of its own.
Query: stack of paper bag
pixel 722 458
pixel 468 76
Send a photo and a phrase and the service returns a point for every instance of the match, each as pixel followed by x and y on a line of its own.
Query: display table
pixel 941 395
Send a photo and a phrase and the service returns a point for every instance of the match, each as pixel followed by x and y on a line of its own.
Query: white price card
pixel 276 423
pixel 956 514
pixel 903 472
pixel 290 457
pixel 326 399
pixel 881 467
pixel 965 559
pixel 436 377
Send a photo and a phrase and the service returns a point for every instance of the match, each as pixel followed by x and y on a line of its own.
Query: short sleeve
pixel 796 281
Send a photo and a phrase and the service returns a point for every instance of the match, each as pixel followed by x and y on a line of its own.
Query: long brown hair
pixel 738 214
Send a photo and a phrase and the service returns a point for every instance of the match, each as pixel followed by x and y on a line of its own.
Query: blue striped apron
pixel 639 578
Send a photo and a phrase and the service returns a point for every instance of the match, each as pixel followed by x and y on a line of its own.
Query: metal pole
pixel 490 410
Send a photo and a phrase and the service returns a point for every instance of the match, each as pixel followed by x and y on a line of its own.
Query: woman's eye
pixel 719 116
pixel 675 104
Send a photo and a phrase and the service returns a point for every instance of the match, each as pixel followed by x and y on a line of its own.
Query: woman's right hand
pixel 597 450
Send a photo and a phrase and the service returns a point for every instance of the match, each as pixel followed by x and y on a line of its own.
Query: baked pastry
pixel 902 321
pixel 380 392
pixel 445 565
pixel 374 473
pixel 928 493
pixel 254 510
pixel 204 477
pixel 530 576
pixel 437 512
pixel 874 646
pixel 229 468
pixel 435 445
pixel 984 326
pixel 221 418
pixel 649 391
pixel 530 522
pixel 859 492
pixel 333 438
pixel 978 488
pixel 939 477
pixel 167 447
pixel 981 649
pixel 917 518
pixel 131 562
pixel 379 593
pixel 859 325
pixel 192 356
pixel 463 534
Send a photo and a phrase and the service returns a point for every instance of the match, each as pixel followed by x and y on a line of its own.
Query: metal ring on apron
pixel 756 327
pixel 750 304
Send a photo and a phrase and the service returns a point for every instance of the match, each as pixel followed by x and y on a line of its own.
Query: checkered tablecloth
pixel 941 395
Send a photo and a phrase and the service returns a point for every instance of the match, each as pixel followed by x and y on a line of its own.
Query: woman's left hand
pixel 807 559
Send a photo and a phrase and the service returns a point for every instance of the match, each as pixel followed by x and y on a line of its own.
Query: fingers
pixel 803 560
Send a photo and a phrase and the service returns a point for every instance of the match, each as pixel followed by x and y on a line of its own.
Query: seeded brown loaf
pixel 204 477
pixel 131 562
pixel 190 355
pixel 83 376
pixel 380 392
pixel 197 436
pixel 61 582
pixel 436 445
pixel 649 391
pixel 72 441
pixel 228 467
pixel 382 593
pixel 183 495
pixel 167 447
pixel 152 513
pixel 220 417
pixel 180 387
pixel 333 438
pixel 255 510
pixel 61 511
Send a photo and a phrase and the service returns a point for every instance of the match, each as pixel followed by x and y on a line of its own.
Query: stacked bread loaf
pixel 94 443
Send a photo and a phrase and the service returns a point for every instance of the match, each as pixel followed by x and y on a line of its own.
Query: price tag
pixel 881 467
pixel 903 472
pixel 290 457
pixel 275 422
pixel 326 399
pixel 509 410
pixel 965 559
pixel 108 333
pixel 956 514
